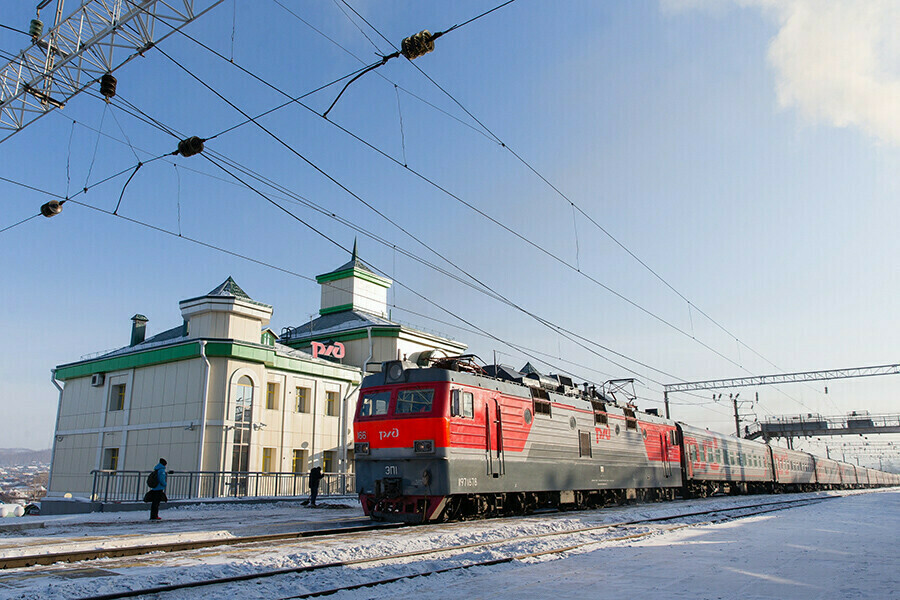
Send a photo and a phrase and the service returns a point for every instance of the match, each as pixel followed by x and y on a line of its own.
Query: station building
pixel 220 392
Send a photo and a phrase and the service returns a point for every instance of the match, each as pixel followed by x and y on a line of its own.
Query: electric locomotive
pixel 455 440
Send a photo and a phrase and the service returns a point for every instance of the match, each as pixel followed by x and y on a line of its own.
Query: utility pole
pixel 737 419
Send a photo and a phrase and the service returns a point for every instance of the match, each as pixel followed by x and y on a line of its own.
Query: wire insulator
pixel 108 86
pixel 51 209
pixel 417 45
pixel 36 28
pixel 190 146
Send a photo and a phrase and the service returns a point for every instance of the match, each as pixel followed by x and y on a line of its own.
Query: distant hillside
pixel 11 457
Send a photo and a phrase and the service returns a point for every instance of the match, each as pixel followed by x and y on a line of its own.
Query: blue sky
pixel 746 151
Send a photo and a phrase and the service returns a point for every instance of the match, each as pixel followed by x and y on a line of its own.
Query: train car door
pixel 664 446
pixel 493 426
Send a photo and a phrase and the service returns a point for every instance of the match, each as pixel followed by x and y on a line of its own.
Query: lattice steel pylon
pixel 97 38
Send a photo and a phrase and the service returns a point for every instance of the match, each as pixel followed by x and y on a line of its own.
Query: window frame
pixel 332 403
pixel 110 459
pixel 299 455
pixel 369 394
pixel 398 401
pixel 268 458
pixel 306 397
pixel 272 393
pixel 460 401
pixel 117 395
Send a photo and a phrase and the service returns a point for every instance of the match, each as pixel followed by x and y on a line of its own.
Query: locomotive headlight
pixel 424 447
pixel 394 371
pixel 361 448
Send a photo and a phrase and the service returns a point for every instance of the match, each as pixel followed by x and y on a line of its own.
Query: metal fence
pixel 130 486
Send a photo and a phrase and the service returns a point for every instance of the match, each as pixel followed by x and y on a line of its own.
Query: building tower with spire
pixel 354 313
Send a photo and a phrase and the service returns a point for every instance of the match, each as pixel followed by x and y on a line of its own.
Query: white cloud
pixel 836 61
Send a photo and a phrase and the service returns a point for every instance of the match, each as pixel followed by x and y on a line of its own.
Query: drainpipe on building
pixel 55 429
pixel 205 401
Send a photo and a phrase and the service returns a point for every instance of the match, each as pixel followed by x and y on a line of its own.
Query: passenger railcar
pixel 716 463
pixel 453 440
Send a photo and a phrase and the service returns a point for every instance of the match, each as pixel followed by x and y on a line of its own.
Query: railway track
pixel 94 554
pixel 619 532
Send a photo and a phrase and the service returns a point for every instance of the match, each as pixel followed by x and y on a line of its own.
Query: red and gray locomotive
pixel 455 440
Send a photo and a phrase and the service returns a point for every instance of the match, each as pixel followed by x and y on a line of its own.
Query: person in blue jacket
pixel 158 493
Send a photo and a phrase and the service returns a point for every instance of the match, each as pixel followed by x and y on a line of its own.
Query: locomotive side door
pixel 493 426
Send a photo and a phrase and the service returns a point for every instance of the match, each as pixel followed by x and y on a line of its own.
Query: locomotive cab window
pixel 462 404
pixel 414 401
pixel 374 403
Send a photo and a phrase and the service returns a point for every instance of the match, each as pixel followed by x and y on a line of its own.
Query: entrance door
pixel 493 426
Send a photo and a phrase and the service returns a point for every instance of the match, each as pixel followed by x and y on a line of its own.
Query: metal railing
pixel 130 486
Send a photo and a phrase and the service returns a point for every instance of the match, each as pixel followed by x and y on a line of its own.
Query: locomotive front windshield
pixel 374 403
pixel 414 401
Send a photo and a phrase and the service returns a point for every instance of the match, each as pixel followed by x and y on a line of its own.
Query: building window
pixel 243 411
pixel 331 404
pixel 117 397
pixel 111 459
pixel 303 395
pixel 272 396
pixel 298 465
pixel 329 461
pixel 268 460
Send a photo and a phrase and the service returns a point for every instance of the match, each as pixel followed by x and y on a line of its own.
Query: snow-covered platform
pixel 844 547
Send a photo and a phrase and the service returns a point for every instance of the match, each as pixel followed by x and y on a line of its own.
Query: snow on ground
pixel 845 547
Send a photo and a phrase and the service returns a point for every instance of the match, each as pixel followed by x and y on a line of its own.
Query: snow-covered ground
pixel 840 548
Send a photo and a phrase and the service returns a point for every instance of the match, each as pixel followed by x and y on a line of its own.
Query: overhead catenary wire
pixel 129 144
pixel 528 352
pixel 339 184
pixel 580 210
pixel 442 189
pixel 622 355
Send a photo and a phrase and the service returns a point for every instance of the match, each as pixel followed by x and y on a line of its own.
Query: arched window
pixel 243 412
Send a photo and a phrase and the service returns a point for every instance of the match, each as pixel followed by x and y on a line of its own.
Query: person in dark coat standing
pixel 315 476
pixel 158 493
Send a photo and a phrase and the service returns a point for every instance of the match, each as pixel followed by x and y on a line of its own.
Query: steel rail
pixel 770 506
pixel 93 554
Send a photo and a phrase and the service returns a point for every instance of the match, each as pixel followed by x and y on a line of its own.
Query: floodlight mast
pixel 97 38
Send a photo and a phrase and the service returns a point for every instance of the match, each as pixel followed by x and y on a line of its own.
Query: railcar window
pixel 462 404
pixel 414 401
pixel 374 403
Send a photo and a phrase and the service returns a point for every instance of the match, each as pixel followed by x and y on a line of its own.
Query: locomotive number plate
pixel 467 482
pixel 391 470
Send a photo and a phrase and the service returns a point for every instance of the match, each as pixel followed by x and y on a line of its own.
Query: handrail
pixel 130 486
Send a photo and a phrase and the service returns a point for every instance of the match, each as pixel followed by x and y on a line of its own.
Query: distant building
pixel 221 392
